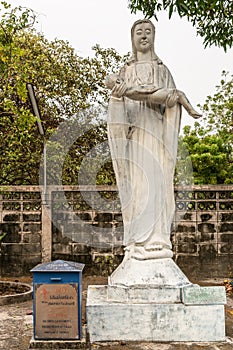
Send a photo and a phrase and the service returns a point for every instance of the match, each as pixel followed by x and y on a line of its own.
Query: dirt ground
pixel 16 325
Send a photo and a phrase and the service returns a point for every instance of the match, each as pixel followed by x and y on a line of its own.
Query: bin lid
pixel 59 265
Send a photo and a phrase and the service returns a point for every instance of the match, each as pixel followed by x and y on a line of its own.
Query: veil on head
pixel 133 58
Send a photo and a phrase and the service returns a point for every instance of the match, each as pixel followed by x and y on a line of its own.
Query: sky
pixel 84 23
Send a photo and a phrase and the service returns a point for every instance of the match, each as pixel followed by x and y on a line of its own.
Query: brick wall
pixel 203 235
pixel 87 227
pixel 20 220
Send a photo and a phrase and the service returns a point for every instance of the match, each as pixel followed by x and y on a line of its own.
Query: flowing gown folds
pixel 143 141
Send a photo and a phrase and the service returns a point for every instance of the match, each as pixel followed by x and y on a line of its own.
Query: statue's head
pixel 145 23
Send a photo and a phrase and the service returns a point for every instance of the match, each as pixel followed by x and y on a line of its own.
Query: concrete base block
pixel 109 320
pixel 144 295
pixel 58 344
pixel 196 295
pixel 156 273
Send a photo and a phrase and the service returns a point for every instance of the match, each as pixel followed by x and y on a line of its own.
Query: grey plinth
pixel 156 313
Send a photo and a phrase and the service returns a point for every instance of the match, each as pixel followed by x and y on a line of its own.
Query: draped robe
pixel 143 139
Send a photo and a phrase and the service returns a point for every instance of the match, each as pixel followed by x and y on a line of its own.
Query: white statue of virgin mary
pixel 143 138
pixel 143 126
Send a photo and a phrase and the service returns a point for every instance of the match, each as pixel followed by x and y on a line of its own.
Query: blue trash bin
pixel 57 300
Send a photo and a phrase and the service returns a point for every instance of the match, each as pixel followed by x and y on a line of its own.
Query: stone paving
pixel 15 326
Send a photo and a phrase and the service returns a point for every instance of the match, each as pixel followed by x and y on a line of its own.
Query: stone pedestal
pixel 152 273
pixel 138 307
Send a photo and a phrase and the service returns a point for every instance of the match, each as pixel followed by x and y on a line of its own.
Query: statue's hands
pixel 172 99
pixel 119 89
pixel 195 114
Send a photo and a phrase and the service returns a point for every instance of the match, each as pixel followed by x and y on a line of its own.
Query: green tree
pixel 66 84
pixel 210 142
pixel 212 19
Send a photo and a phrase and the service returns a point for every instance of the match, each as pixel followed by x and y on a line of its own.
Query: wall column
pixel 46 231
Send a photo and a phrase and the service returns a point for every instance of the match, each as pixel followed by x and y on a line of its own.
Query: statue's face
pixel 143 37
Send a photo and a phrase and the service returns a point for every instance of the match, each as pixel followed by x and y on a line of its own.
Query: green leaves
pixel 213 18
pixel 15 19
pixel 66 85
pixel 210 142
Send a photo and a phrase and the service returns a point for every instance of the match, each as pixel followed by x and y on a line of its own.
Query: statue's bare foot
pixel 140 253
pixel 150 247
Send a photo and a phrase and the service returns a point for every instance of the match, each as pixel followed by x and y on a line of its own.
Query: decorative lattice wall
pixel 20 222
pixel 87 227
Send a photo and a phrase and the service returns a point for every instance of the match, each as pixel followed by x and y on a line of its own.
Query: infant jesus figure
pixel 150 93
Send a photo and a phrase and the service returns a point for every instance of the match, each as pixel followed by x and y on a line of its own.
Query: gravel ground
pixel 16 328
